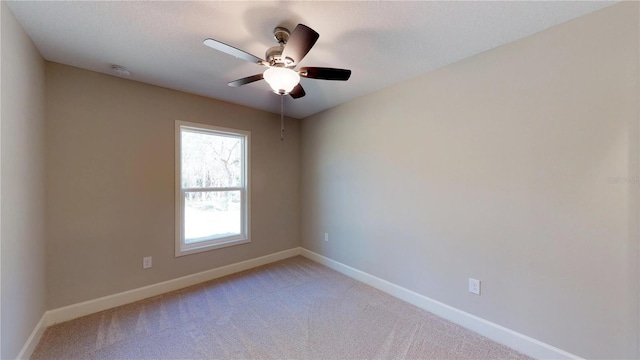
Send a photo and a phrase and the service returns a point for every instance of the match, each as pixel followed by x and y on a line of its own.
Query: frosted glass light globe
pixel 281 79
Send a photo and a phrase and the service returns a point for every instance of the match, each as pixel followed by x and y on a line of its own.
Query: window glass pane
pixel 211 214
pixel 211 160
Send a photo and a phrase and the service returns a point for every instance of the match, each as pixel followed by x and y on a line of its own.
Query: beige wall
pixel 497 168
pixel 110 178
pixel 22 251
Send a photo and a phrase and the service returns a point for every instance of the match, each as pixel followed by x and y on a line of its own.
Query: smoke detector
pixel 120 70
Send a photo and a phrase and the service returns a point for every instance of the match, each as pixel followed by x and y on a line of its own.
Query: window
pixel 212 187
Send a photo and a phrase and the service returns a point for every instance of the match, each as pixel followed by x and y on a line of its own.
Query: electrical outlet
pixel 326 236
pixel 474 286
pixel 146 262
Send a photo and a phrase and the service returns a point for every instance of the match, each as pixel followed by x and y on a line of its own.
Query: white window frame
pixel 183 248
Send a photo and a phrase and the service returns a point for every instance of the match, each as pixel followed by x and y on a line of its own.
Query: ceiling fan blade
pixel 300 42
pixel 323 73
pixel 297 92
pixel 228 49
pixel 247 80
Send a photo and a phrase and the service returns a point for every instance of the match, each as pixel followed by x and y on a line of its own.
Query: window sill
pixel 208 247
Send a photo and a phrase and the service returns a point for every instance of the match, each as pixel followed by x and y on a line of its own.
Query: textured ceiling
pixel 383 43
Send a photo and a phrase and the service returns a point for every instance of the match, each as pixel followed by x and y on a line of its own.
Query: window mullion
pixel 212 189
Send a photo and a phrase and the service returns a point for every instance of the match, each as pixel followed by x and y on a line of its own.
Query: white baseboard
pixel 107 302
pixel 34 338
pixel 498 333
pixel 522 343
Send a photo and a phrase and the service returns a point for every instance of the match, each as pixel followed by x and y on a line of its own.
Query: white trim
pixel 213 189
pixel 493 331
pixel 107 302
pixel 177 185
pixel 181 247
pixel 498 333
pixel 34 338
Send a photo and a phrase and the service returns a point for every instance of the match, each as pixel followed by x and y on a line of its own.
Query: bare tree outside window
pixel 211 173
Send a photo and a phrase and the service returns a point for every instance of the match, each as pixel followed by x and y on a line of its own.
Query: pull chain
pixel 281 117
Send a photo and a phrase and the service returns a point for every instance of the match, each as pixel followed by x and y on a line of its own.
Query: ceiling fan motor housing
pixel 274 53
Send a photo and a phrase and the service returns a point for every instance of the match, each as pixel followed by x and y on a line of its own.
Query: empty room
pixel 320 180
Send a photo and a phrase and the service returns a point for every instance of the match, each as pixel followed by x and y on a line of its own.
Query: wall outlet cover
pixel 474 286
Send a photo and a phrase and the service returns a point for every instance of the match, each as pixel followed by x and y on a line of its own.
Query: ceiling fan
pixel 281 61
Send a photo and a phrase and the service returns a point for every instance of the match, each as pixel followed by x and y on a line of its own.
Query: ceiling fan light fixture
pixel 281 79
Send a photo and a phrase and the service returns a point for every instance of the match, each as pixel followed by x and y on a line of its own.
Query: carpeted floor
pixel 293 309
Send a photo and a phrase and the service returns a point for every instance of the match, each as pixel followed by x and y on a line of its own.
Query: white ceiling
pixel 383 43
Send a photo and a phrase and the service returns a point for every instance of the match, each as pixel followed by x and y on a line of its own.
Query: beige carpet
pixel 292 309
